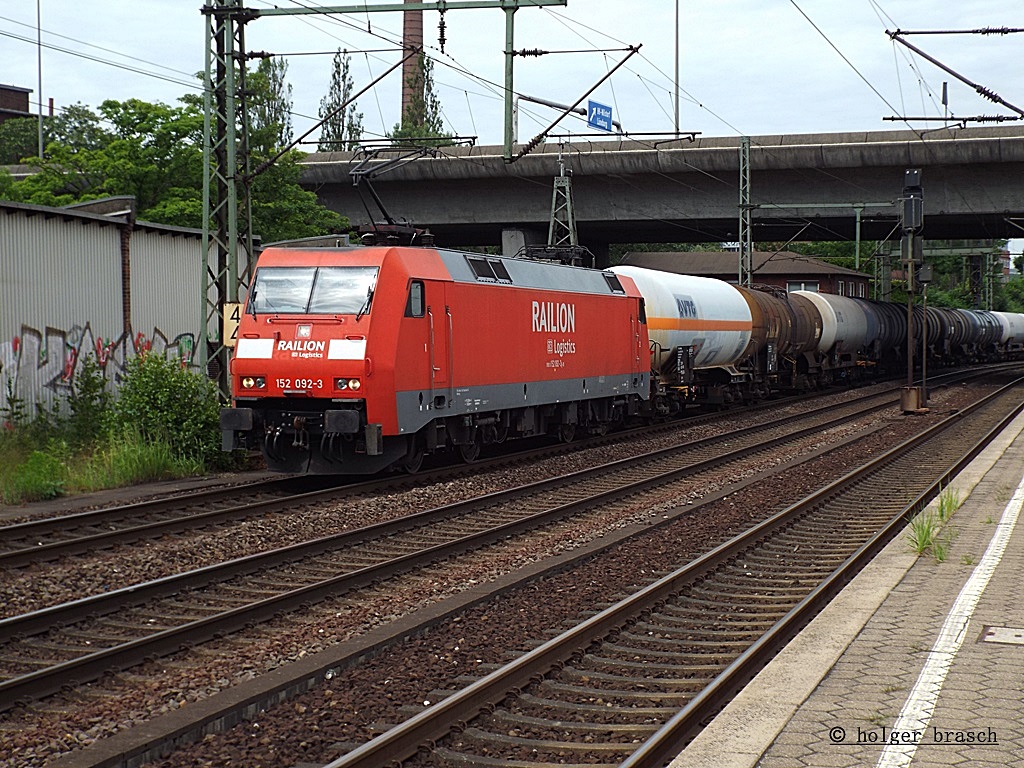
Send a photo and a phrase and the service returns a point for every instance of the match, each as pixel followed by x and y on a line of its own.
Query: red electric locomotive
pixel 354 360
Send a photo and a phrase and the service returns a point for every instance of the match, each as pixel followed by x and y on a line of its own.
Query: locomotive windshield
pixel 313 290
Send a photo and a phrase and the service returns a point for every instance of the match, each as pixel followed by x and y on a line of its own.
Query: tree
pixel 1011 295
pixel 154 153
pixel 283 210
pixel 76 125
pixel 19 138
pixel 422 117
pixel 150 151
pixel 270 106
pixel 342 126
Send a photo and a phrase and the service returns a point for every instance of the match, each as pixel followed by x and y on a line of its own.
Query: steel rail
pixel 114 600
pixel 684 726
pixel 49 680
pixel 43 551
pixel 429 726
pixel 25 556
pixel 90 543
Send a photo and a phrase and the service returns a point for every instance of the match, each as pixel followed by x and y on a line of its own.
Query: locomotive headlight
pixel 253 382
pixel 352 384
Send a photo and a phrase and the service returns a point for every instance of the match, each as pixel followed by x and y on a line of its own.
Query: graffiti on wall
pixel 40 366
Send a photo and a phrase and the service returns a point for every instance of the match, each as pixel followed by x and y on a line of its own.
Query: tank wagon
pixel 356 360
pixel 1011 340
pixel 700 330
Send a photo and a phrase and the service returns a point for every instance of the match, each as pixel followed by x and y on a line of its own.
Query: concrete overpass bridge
pixel 807 187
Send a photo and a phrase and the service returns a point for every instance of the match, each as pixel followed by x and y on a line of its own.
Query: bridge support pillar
pixel 515 239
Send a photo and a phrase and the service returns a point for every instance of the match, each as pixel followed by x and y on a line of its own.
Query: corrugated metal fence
pixel 62 297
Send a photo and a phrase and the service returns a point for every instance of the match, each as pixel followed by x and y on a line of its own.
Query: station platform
pixel 915 663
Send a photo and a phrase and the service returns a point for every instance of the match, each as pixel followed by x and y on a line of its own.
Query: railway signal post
pixel 911 398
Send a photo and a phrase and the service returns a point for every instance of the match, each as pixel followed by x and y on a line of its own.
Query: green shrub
pixel 27 430
pixel 12 455
pixel 14 412
pixel 167 403
pixel 164 424
pixel 88 403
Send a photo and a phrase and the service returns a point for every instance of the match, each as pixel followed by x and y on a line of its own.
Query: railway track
pixel 41 540
pixel 632 684
pixel 79 641
pixel 37 541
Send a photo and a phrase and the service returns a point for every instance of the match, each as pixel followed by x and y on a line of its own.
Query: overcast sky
pixel 747 67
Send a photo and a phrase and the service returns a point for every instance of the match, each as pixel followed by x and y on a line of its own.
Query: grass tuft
pixel 38 477
pixel 949 502
pixel 94 440
pixel 128 459
pixel 928 533
pixel 923 530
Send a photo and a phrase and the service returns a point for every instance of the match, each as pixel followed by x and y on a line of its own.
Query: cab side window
pixel 414 304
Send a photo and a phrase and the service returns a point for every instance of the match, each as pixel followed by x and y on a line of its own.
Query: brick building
pixel 14 102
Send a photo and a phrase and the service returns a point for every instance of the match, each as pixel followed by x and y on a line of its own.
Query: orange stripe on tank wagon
pixel 690 324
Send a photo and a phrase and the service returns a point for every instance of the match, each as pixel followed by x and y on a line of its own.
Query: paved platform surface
pixel 917 662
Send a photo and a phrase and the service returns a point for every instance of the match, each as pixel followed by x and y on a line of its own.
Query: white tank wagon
pixel 709 319
pixel 845 327
pixel 1013 329
pixel 700 330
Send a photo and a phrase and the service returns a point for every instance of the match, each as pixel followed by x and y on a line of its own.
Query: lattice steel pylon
pixel 227 221
pixel 227 227
pixel 746 267
pixel 562 230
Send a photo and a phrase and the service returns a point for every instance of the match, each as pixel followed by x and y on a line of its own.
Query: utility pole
pixel 911 246
pixel 225 164
pixel 924 276
pixel 39 67
pixel 676 73
pixel 562 229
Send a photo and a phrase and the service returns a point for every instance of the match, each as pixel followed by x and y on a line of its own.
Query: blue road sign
pixel 599 116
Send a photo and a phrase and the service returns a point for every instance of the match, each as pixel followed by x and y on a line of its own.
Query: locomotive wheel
pixel 566 432
pixel 413 459
pixel 470 452
pixel 411 466
pixel 411 463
